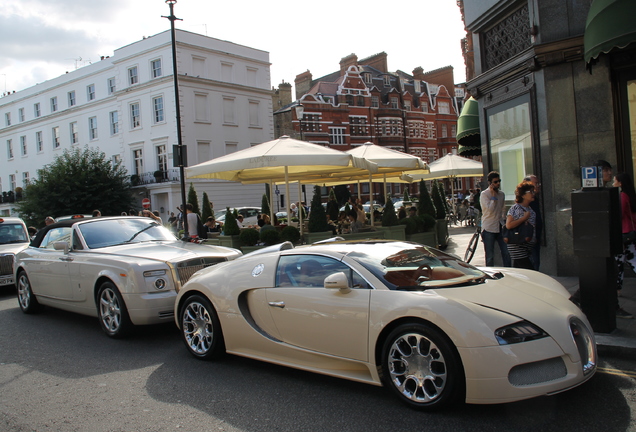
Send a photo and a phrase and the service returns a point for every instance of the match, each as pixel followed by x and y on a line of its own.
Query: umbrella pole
pixel 301 209
pixel 287 195
pixel 271 204
pixel 371 197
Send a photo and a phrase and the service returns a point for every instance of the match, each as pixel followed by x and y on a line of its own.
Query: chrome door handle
pixel 278 304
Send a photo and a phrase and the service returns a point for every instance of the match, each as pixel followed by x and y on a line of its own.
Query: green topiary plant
pixel 317 215
pixel 290 234
pixel 270 237
pixel 406 197
pixel 426 223
pixel 411 225
pixel 438 200
pixel 230 227
pixel 265 205
pixel 192 199
pixel 332 206
pixel 206 208
pixel 389 218
pixel 249 236
pixel 425 204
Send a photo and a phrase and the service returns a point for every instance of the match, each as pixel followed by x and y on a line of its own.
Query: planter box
pixel 230 241
pixel 393 232
pixel 426 238
pixel 442 233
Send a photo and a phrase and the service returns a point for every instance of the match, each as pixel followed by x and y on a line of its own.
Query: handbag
pixel 519 234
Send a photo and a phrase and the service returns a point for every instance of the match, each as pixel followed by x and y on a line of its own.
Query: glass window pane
pixel 510 140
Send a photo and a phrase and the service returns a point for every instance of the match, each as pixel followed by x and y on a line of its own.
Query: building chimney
pixel 303 83
pixel 345 62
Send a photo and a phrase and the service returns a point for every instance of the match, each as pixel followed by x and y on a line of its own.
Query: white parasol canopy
pixel 452 165
pixel 282 159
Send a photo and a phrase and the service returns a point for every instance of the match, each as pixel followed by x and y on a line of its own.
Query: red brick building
pixel 415 113
pixel 362 101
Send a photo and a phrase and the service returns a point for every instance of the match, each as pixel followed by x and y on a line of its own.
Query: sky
pixel 43 39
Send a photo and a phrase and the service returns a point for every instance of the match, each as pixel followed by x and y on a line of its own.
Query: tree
pixel 265 204
pixel 438 200
pixel 230 227
pixel 389 218
pixel 77 182
pixel 425 204
pixel 317 215
pixel 192 199
pixel 206 210
pixel 333 209
pixel 406 198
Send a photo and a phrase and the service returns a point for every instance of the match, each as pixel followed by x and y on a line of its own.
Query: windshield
pixel 416 267
pixel 111 232
pixel 13 233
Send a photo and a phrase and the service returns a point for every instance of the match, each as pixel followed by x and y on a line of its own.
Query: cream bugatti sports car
pixel 428 326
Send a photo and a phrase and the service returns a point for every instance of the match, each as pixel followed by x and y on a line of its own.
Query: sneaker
pixel 622 313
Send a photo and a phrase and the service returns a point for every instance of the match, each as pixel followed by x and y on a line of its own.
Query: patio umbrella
pixel 452 166
pixel 282 159
pixel 390 165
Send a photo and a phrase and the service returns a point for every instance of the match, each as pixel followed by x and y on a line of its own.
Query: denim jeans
pixel 490 239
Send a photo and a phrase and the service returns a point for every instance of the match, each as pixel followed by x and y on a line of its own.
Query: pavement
pixel 621 341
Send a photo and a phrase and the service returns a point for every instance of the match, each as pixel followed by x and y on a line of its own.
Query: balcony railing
pixel 172 175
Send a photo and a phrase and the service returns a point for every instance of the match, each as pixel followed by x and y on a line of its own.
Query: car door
pixel 48 269
pixel 308 315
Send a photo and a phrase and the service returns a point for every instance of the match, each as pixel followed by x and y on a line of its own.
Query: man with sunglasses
pixel 492 202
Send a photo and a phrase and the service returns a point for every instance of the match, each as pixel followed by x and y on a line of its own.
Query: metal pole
pixel 182 163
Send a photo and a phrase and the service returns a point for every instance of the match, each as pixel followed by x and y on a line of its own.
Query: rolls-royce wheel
pixel 421 366
pixel 112 312
pixel 28 303
pixel 201 329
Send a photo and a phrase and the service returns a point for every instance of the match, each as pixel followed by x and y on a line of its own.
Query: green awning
pixel 610 24
pixel 468 134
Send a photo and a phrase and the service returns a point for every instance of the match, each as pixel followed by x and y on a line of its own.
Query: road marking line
pixel 617 372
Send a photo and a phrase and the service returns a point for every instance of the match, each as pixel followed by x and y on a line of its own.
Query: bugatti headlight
pixel 522 331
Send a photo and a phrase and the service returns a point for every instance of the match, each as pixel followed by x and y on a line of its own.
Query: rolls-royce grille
pixel 186 269
pixel 6 265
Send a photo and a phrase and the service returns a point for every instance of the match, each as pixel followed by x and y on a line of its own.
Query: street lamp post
pixel 300 112
pixel 180 149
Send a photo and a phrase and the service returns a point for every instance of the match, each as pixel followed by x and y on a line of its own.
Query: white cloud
pixel 44 39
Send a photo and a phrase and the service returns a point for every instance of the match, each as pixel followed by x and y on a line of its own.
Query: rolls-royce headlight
pixel 522 331
pixel 160 284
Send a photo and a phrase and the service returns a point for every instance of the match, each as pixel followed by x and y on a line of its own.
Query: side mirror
pixel 338 281
pixel 61 245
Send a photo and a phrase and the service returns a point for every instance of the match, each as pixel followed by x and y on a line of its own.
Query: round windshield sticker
pixel 256 271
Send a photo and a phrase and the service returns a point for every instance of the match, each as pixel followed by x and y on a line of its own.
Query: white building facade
pixel 124 106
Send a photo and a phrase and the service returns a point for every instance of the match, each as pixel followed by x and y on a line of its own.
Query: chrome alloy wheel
pixel 24 291
pixel 198 328
pixel 110 310
pixel 417 368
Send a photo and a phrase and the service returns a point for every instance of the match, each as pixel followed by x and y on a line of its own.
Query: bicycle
pixel 474 241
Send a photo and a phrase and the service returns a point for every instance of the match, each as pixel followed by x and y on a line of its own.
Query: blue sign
pixel 591 177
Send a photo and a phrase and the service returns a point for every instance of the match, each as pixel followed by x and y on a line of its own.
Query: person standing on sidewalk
pixel 493 213
pixel 628 213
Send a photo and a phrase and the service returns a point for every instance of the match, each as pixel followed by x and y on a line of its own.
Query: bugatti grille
pixel 537 372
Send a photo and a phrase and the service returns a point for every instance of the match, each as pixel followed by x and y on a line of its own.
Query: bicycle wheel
pixel 472 246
